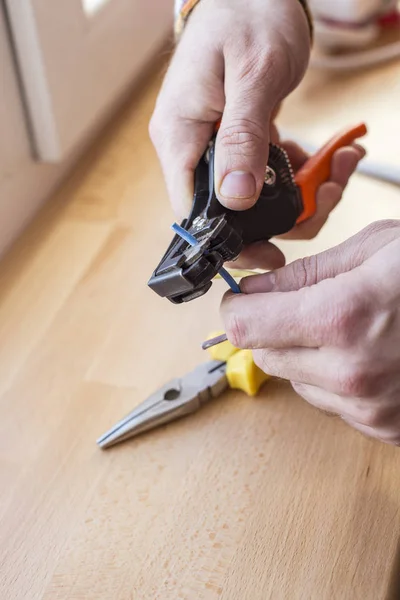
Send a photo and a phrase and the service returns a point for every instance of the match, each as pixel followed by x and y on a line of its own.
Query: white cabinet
pixel 75 57
pixel 23 183
pixel 63 65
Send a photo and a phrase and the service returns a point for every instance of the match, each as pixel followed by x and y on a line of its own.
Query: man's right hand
pixel 236 61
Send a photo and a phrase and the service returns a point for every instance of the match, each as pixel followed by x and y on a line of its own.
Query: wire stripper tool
pixel 187 269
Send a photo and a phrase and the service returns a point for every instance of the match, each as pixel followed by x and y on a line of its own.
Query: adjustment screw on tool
pixel 270 176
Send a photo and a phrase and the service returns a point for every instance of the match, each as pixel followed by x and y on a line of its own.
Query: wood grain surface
pixel 249 499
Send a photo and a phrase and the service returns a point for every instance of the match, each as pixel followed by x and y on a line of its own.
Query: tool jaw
pixel 177 398
pixel 185 272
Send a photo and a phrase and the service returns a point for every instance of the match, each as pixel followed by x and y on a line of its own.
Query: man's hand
pixel 265 255
pixel 236 60
pixel 331 325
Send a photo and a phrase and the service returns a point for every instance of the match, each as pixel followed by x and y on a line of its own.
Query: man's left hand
pixel 330 324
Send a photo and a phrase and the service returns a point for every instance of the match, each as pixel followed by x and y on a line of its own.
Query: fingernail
pixel 258 284
pixel 238 184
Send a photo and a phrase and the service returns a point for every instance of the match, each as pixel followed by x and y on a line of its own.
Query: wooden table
pixel 247 500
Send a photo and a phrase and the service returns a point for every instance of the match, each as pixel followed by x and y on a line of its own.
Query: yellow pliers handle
pixel 241 371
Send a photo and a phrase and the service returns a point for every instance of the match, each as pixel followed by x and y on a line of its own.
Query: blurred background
pixel 66 66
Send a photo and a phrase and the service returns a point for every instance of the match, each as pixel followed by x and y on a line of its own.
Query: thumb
pixel 242 143
pixel 309 271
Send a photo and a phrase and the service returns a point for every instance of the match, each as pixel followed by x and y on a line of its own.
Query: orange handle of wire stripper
pixel 317 169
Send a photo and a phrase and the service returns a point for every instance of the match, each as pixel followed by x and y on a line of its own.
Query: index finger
pixel 312 317
pixel 190 102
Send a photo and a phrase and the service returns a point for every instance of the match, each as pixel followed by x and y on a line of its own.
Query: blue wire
pixel 192 241
pixel 230 281
pixel 185 235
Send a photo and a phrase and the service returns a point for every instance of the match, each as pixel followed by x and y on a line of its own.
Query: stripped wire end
pixel 220 339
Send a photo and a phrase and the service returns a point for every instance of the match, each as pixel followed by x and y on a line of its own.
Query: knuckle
pixel 355 381
pixel 278 363
pixel 380 325
pixel 262 359
pixel 242 136
pixel 378 414
pixel 343 322
pixel 372 417
pixel 307 269
pixel 349 320
pixel 351 382
pixel 257 62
